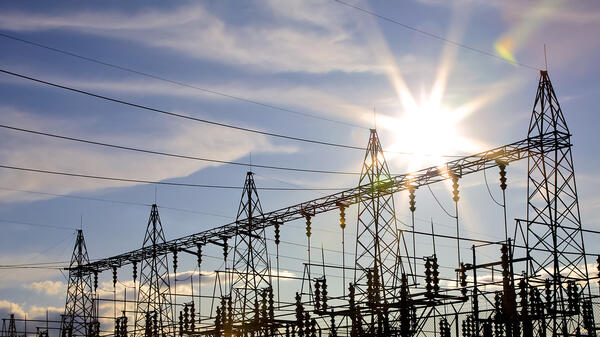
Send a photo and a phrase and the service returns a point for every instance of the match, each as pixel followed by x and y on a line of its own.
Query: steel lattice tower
pixel 377 238
pixel 251 269
pixel 154 294
pixel 79 308
pixel 553 217
pixel 12 327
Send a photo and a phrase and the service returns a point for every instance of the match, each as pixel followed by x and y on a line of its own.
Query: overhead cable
pixel 195 119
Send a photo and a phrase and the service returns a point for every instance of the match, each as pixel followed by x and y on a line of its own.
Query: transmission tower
pixel 555 244
pixel 79 308
pixel 12 327
pixel 377 266
pixel 251 270
pixel 154 312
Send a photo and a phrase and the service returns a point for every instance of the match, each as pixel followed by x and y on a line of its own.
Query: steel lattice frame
pixel 79 307
pixel 154 290
pixel 553 217
pixel 377 239
pixel 251 271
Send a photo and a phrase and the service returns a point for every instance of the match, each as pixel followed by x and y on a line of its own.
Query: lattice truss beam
pixel 459 167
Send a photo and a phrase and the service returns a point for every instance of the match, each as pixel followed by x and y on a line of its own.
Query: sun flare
pixel 429 132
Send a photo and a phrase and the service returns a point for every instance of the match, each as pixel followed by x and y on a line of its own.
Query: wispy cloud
pixel 25 151
pixel 196 32
pixel 47 287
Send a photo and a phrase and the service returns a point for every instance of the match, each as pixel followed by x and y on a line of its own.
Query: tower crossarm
pixel 456 168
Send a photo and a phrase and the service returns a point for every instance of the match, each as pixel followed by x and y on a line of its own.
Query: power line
pixel 37 225
pixel 183 84
pixel 128 148
pixel 133 203
pixel 200 120
pixel 435 36
pixel 142 181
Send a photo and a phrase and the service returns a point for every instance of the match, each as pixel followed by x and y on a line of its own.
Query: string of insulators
pixel 428 279
pixel 405 307
pixel 229 326
pixel 502 176
pixel 174 251
pixel 299 314
pixel 95 280
pixel 307 324
pixel 271 305
pixel 534 302
pixel 411 199
pixel 186 317
pixel 114 276
pixel 313 327
pixel 548 292
pixel 317 295
pixel 333 331
pixel 193 317
pixel 436 275
pixel 180 323
pixel 455 192
pixel 523 295
pixel 498 328
pixel 324 294
pixel 572 296
pixel 498 305
pixel 123 329
pixel 117 328
pixel 277 235
pixel 588 315
pixel 199 256
pixel 225 249
pixel 263 312
pixel 308 224
pixel 134 271
pixel 462 275
pixel 505 264
pixel 223 314
pixel 343 218
pixel 444 328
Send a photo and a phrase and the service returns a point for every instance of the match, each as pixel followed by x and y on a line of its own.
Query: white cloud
pixel 181 138
pixel 48 287
pixel 194 31
pixel 31 312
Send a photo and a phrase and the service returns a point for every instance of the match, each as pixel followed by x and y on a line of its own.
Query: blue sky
pixel 315 57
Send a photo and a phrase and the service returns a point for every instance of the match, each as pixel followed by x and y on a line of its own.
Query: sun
pixel 427 134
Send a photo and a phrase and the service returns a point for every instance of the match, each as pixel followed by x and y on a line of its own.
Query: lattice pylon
pixel 12 327
pixel 553 217
pixel 154 291
pixel 79 307
pixel 251 271
pixel 377 239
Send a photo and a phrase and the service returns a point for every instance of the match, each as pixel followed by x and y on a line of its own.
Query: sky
pixel 319 70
